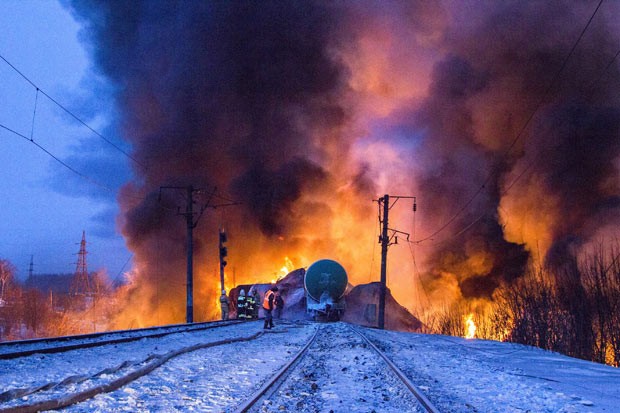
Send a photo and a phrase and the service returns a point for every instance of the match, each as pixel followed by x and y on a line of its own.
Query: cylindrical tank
pixel 325 276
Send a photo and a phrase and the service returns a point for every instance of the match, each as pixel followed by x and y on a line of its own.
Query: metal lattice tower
pixel 81 282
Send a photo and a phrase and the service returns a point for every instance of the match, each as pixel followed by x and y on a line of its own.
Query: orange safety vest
pixel 266 300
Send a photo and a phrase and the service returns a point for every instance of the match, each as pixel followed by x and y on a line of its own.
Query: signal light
pixel 223 249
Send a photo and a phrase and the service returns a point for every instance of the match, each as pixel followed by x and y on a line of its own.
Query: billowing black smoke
pixel 215 94
pixel 218 92
pixel 267 100
pixel 480 143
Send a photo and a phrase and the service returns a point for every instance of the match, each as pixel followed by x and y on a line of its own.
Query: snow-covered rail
pixel 298 366
pixel 339 372
pixel 186 369
pixel 430 408
pixel 276 380
pixel 23 348
pixel 87 385
pixel 338 369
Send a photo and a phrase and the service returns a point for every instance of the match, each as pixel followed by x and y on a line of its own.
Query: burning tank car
pixel 325 283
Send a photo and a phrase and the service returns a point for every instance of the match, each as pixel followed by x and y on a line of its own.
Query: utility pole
pixel 384 248
pixel 386 240
pixel 191 224
pixel 189 219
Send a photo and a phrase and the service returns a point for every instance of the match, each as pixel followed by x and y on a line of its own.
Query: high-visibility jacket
pixel 268 300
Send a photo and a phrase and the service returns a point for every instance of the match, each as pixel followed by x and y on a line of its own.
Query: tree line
pixel 572 308
pixel 30 312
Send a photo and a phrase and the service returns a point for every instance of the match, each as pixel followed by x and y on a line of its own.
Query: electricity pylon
pixel 81 282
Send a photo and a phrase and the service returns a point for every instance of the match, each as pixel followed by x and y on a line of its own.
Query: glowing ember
pixel 470 327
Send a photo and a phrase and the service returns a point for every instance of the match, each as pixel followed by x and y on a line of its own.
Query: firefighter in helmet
pixel 224 305
pixel 250 304
pixel 241 305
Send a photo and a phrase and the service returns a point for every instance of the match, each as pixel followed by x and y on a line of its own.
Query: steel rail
pixel 251 402
pixel 430 408
pixel 74 398
pixel 136 335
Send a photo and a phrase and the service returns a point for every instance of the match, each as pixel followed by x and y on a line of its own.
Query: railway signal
pixel 223 255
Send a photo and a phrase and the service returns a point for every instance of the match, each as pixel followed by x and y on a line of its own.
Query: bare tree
pixel 36 311
pixel 7 272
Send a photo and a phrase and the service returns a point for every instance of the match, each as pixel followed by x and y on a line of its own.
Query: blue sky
pixel 46 206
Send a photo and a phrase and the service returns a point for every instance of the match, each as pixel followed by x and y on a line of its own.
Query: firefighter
pixel 279 305
pixel 251 304
pixel 225 305
pixel 268 305
pixel 241 304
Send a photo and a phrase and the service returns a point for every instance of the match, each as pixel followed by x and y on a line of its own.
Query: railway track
pixel 23 348
pixel 189 360
pixel 296 367
pixel 86 384
pixel 319 378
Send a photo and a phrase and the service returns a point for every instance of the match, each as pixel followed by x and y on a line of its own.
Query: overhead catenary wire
pixel 374 248
pixel 38 91
pixel 34 114
pixel 83 175
pixel 72 169
pixel 57 159
pixel 70 113
pixel 521 132
pixel 415 265
pixel 533 162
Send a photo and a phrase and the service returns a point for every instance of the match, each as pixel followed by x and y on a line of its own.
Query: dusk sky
pixel 502 118
pixel 46 206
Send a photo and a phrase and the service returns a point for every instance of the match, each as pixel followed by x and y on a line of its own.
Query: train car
pixel 325 283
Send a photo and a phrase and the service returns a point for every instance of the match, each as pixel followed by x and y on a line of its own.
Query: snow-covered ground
pixel 460 375
pixel 339 374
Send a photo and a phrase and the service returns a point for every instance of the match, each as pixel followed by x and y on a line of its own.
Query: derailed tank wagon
pixel 325 283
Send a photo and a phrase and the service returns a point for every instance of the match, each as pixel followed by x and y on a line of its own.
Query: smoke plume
pixel 303 112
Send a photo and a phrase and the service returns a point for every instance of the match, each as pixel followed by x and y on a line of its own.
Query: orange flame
pixel 470 327
pixel 283 272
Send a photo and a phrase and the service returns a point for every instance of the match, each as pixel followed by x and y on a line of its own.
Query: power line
pixel 75 171
pixel 57 159
pixel 34 114
pixel 530 164
pixel 74 116
pixel 227 199
pixel 553 81
pixel 124 265
pixel 521 131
